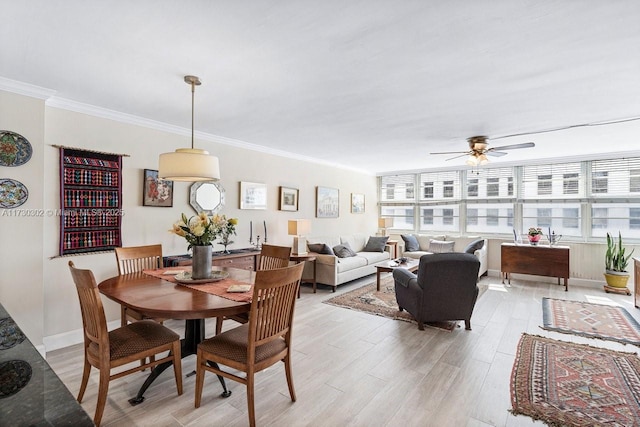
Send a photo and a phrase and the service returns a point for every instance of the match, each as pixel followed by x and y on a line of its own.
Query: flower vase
pixel 533 240
pixel 201 262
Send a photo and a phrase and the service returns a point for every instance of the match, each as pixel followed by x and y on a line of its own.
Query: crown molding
pixel 25 89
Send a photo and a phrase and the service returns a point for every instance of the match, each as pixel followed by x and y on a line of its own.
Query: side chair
pixel 271 257
pixel 106 350
pixel 260 343
pixel 131 260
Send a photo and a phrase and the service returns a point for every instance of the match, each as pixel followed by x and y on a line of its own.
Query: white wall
pixel 49 282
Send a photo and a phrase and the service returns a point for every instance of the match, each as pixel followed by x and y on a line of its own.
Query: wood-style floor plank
pixel 355 369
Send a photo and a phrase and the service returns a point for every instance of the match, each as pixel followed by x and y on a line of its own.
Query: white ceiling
pixel 372 85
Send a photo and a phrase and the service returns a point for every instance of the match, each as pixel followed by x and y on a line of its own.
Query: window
pixel 391 191
pixel 493 187
pixel 570 183
pixel 599 218
pixel 447 189
pixel 397 187
pixel 544 217
pixel 409 191
pixel 447 216
pixel 600 182
pixel 427 216
pixel 427 190
pixel 510 217
pixel 493 218
pixel 472 187
pixel 510 186
pixel 634 219
pixel 570 217
pixel 403 217
pixel 634 181
pixel 472 217
pixel 545 186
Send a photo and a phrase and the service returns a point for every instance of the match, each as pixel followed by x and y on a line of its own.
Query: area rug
pixel 566 384
pixel 601 321
pixel 383 303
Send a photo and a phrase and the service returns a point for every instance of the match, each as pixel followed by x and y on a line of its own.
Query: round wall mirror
pixel 206 197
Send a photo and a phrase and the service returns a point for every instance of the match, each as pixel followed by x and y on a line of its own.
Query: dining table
pixel 158 294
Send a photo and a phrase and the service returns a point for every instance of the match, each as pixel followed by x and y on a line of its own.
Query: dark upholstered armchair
pixel 444 289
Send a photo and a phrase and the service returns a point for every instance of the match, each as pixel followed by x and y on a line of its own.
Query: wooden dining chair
pixel 133 259
pixel 271 257
pixel 260 343
pixel 106 350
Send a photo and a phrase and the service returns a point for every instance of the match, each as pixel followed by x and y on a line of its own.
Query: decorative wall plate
pixel 15 150
pixel 12 193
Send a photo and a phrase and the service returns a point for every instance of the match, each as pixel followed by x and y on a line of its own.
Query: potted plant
pixel 616 261
pixel 534 234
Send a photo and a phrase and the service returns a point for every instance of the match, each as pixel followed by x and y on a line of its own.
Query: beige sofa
pixel 333 271
pixel 460 243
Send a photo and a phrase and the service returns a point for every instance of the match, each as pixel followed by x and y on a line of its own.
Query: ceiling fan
pixel 478 150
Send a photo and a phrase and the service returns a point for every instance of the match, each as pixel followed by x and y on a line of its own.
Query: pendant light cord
pixel 193 94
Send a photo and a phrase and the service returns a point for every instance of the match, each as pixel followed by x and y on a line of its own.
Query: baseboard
pixel 66 339
pixel 572 280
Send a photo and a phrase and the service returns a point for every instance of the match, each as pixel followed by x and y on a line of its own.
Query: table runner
pixel 218 288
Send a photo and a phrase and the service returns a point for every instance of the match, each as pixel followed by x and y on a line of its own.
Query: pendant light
pixel 189 164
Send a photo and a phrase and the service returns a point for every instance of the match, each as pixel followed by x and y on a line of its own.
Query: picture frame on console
pixel 156 192
pixel 327 202
pixel 289 199
pixel 253 195
pixel 357 203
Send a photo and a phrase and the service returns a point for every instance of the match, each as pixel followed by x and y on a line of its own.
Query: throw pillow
pixel 320 248
pixel 474 246
pixel 410 242
pixel 440 247
pixel 343 250
pixel 376 244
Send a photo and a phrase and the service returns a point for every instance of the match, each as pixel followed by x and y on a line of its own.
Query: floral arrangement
pixel 225 228
pixel 198 230
pixel 534 231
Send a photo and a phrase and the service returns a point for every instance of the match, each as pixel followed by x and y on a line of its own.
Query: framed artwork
pixel 253 195
pixel 357 203
pixel 155 191
pixel 288 199
pixel 327 202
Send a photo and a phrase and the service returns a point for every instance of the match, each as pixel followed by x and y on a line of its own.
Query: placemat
pixel 218 288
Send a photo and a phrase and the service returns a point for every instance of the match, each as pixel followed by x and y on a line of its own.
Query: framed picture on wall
pixel 253 195
pixel 357 203
pixel 288 199
pixel 327 202
pixel 155 191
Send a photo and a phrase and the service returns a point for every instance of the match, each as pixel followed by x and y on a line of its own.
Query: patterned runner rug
pixel 383 303
pixel 590 320
pixel 565 384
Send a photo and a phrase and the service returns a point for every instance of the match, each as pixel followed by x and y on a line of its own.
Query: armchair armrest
pixel 404 277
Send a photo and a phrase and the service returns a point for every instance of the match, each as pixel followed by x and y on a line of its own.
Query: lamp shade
pixel 299 227
pixel 385 222
pixel 188 164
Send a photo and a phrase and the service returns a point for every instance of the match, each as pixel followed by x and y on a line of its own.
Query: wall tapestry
pixel 91 201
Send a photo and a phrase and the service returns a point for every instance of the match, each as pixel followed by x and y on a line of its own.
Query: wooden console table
pixel 552 261
pixel 245 259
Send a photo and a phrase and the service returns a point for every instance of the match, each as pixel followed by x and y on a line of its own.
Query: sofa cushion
pixel 410 242
pixel 344 250
pixel 347 264
pixel 320 248
pixel 374 257
pixel 375 244
pixel 474 246
pixel 356 241
pixel 424 241
pixel 439 246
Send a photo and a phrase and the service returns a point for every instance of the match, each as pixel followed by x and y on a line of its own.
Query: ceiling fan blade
pixel 451 152
pixel 495 153
pixel 513 147
pixel 455 157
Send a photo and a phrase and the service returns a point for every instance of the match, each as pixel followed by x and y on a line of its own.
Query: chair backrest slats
pixel 272 257
pixel 138 258
pixel 273 303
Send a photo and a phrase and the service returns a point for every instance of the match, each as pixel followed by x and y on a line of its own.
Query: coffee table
pixel 388 267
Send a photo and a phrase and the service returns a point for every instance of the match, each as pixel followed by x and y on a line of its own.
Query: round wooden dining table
pixel 159 298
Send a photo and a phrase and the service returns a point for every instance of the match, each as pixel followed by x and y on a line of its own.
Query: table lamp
pixel 384 223
pixel 299 228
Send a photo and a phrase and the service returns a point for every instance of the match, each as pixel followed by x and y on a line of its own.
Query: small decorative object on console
pixel 534 234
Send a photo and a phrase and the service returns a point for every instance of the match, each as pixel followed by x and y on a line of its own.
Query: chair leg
pixel 123 314
pixel 467 324
pixel 199 377
pixel 219 321
pixel 250 398
pixel 287 370
pixel 103 388
pixel 177 365
pixel 85 379
pixel 420 325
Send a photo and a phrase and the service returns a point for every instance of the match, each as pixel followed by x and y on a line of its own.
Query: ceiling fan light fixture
pixel 482 159
pixel 472 161
pixel 189 164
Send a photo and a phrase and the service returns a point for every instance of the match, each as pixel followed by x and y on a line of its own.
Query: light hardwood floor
pixel 356 369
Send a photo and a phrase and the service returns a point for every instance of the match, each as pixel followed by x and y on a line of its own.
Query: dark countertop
pixel 39 400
